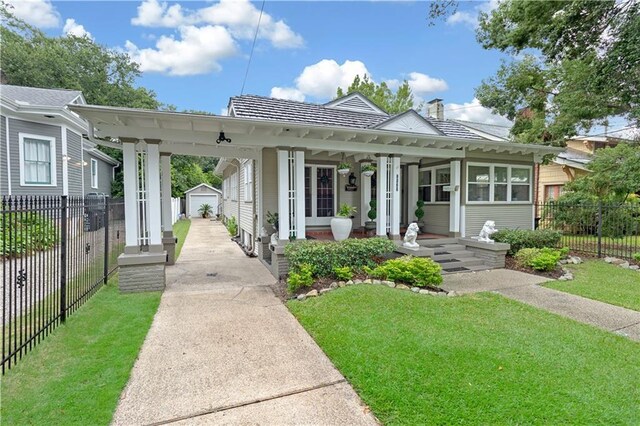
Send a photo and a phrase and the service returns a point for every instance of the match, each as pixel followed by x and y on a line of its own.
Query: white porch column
pixel 153 195
pixel 299 195
pixel 167 219
pixel 413 177
pixel 381 189
pixel 283 194
pixel 130 184
pixel 454 204
pixel 365 194
pixel 395 197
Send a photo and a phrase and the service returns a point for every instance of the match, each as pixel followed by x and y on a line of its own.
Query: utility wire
pixel 255 37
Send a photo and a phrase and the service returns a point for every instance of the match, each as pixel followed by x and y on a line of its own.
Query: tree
pixel 381 94
pixel 582 65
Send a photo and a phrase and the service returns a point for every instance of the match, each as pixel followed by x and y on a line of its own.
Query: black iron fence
pixel 603 229
pixel 56 253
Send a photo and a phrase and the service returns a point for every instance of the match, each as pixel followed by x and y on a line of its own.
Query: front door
pixel 319 194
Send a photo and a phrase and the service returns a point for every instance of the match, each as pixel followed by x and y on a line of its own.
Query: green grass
pixel 625 246
pixel 601 281
pixel 76 375
pixel 180 230
pixel 477 359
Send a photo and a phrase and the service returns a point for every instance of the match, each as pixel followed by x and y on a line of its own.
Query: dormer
pixel 355 102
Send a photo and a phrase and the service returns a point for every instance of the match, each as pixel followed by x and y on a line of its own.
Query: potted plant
pixel 205 210
pixel 341 224
pixel 272 219
pixel 344 168
pixel 368 170
pixel 420 214
pixel 371 214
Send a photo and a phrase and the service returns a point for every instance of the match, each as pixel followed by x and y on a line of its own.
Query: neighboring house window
pixel 234 187
pixel 94 173
pixel 432 181
pixel 37 160
pixel 497 183
pixel 248 181
pixel 553 192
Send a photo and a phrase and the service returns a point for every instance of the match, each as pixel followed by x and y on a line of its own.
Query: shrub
pixel 541 259
pixel 419 210
pixel 302 278
pixel 636 257
pixel 343 273
pixel 524 238
pixel 416 271
pixel 26 233
pixel 346 210
pixel 232 226
pixel 373 212
pixel 327 255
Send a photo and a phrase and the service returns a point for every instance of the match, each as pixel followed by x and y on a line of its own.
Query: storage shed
pixel 199 195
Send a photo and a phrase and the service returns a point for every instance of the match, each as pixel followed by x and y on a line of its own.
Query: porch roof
pixel 196 134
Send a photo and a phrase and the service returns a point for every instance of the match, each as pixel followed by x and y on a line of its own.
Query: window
pixel 553 192
pixel 233 190
pixel 496 183
pixel 431 184
pixel 37 160
pixel 248 181
pixel 94 173
pixel 319 194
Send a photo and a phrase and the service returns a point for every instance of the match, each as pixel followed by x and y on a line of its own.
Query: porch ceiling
pixel 195 134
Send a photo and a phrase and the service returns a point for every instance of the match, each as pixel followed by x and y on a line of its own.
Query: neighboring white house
pixel 42 148
pixel 281 156
pixel 199 195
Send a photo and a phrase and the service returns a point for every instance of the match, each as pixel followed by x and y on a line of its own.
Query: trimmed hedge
pixel 414 271
pixel 541 259
pixel 324 256
pixel 525 238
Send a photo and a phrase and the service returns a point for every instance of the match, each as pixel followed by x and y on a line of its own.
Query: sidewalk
pixel 224 349
pixel 525 288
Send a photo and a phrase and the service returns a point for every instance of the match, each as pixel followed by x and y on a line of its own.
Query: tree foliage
pixel 579 64
pixel 381 95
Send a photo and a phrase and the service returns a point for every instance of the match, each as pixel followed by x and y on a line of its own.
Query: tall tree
pixel 582 66
pixel 381 94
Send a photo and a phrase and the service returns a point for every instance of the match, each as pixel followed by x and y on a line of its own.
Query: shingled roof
pixel 264 108
pixel 35 96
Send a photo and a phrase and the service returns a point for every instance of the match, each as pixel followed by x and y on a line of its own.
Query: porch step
pixel 442 254
pixel 431 242
pixel 460 262
pixel 458 270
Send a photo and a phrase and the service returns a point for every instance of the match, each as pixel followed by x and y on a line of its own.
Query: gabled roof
pixel 203 184
pixel 264 108
pixel 34 96
pixel 356 102
pixel 409 121
pixel 500 132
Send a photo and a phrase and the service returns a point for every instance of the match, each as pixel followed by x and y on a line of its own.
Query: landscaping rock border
pixel 400 286
pixel 624 264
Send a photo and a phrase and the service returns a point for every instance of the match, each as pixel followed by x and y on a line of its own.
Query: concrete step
pixel 460 262
pixel 437 241
pixel 451 254
pixel 465 269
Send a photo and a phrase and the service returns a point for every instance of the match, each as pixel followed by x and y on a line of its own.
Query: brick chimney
pixel 435 109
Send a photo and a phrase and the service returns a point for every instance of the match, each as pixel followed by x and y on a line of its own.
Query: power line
pixel 255 37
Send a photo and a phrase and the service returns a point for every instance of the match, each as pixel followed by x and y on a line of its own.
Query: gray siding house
pixel 42 147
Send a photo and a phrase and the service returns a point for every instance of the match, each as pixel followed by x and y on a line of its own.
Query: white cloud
pixel 197 51
pixel 422 83
pixel 240 17
pixel 470 18
pixel 71 27
pixel 323 78
pixel 39 13
pixel 289 93
pixel 224 111
pixel 473 111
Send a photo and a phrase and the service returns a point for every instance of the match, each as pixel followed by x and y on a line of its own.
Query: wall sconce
pixel 352 179
pixel 222 138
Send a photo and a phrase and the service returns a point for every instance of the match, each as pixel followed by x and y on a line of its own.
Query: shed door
pixel 196 200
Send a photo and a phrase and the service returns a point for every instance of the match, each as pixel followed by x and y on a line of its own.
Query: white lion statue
pixel 488 229
pixel 410 237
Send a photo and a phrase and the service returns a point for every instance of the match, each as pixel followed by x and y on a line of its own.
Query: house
pixel 281 156
pixel 199 195
pixel 42 147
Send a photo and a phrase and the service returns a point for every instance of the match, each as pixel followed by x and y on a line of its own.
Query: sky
pixel 195 55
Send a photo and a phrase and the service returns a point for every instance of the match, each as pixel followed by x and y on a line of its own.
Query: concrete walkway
pixel 223 349
pixel 525 288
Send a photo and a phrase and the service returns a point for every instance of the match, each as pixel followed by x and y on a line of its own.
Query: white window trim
pixel 432 170
pixel 248 180
pixel 94 185
pixel 52 147
pixel 233 191
pixel 492 167
pixel 314 220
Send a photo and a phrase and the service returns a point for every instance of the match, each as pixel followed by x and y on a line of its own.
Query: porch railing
pixel 57 251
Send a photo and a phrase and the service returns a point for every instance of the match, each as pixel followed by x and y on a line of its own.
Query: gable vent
pixel 356 104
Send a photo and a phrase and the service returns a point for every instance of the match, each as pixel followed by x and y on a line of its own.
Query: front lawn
pixel 476 359
pixel 601 281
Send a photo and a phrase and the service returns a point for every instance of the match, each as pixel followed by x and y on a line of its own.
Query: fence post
pixel 599 228
pixel 63 259
pixel 106 239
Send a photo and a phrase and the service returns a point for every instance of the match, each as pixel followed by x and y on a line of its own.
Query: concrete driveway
pixel 224 350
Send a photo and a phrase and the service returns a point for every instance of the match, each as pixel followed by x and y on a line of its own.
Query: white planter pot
pixel 341 228
pixel 368 173
pixel 344 171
